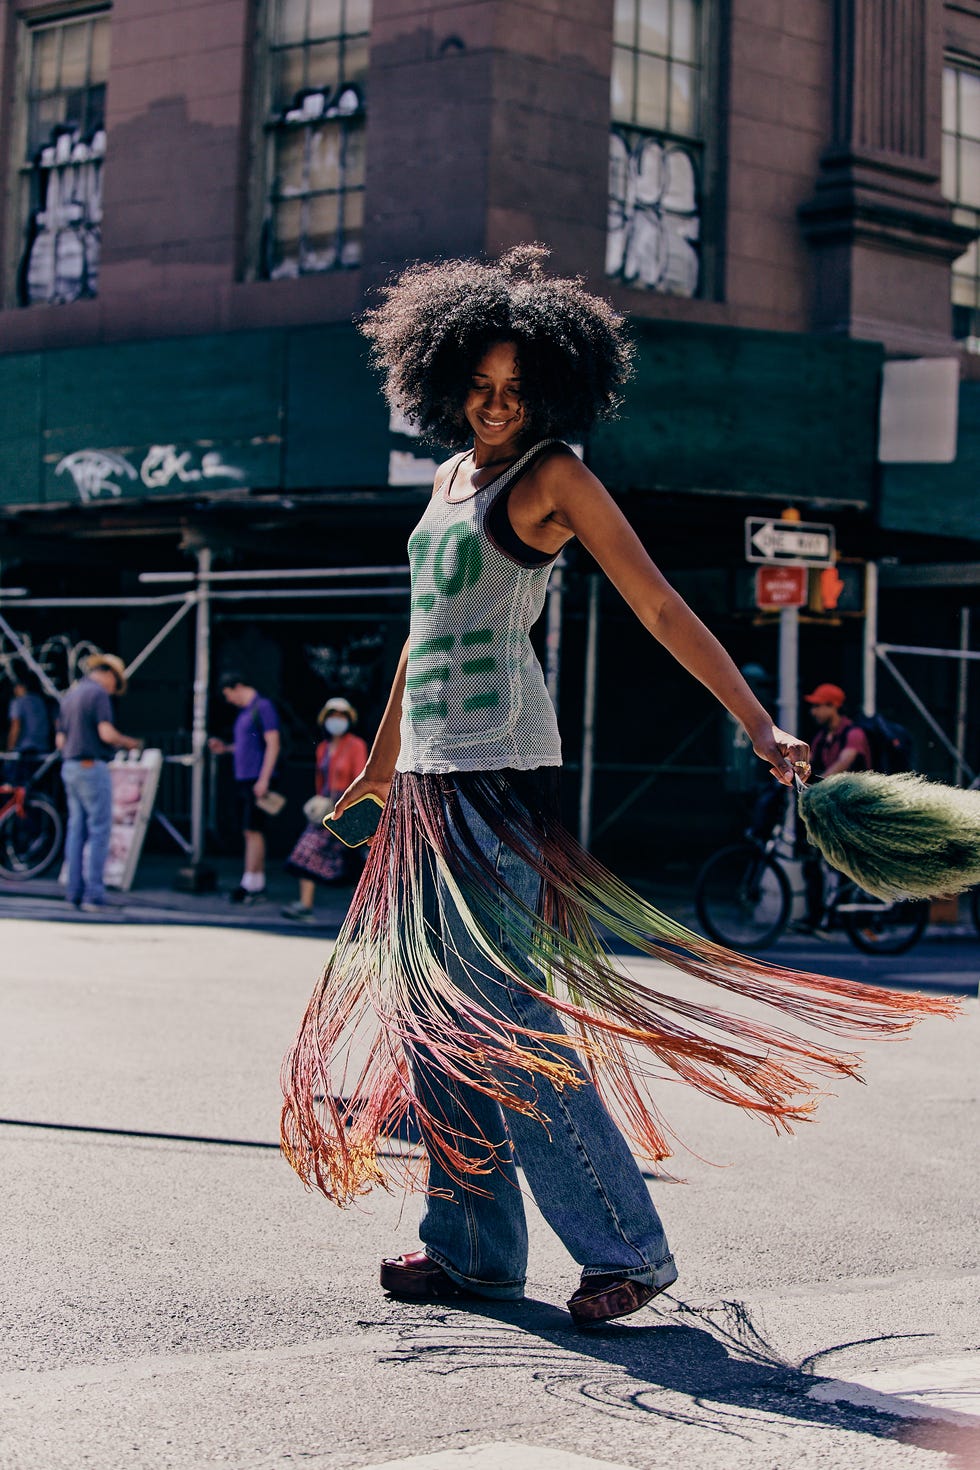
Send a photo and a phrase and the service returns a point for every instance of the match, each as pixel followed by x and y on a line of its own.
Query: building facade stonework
pixel 199 195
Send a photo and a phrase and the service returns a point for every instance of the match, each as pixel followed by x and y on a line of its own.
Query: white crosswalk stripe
pixel 499 1457
pixel 945 1388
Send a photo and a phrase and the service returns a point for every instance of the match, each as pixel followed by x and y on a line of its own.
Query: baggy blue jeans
pixel 89 791
pixel 580 1170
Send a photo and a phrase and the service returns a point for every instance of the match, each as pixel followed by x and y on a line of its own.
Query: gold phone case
pixel 355 829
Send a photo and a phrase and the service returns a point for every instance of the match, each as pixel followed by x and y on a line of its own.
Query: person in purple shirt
pixel 255 746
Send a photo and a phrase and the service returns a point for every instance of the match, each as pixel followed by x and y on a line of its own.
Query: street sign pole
pixel 789 686
pixel 789 668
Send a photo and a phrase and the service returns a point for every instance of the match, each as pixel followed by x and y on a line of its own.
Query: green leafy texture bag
pixel 897 836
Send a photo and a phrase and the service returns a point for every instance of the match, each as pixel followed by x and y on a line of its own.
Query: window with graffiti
pixel 656 146
pixel 313 136
pixel 67 65
pixel 961 184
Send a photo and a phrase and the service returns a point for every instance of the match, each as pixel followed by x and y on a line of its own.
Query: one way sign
pixel 803 542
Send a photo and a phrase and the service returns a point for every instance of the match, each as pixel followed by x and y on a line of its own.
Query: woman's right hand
pixel 362 785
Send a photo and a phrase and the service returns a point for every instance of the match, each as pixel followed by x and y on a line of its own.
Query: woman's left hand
pixel 787 755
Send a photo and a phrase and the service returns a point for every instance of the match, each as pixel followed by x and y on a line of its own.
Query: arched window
pixel 657 145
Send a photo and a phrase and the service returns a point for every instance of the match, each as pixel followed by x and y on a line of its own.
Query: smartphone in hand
pixel 358 823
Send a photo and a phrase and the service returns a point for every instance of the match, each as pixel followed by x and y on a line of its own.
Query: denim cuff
pixel 660 1276
pixel 507 1291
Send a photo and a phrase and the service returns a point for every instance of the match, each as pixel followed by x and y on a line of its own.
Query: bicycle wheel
pixel 29 843
pixel 875 927
pixel 742 897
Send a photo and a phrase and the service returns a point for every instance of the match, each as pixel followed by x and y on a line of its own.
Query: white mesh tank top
pixel 475 696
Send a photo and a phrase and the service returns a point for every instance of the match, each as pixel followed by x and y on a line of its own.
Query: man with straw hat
pixel 87 738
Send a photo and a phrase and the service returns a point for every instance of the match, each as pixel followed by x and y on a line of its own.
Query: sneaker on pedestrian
pixel 807 929
pixel 298 912
pixel 98 906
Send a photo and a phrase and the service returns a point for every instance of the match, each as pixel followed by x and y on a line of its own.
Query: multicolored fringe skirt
pixel 393 996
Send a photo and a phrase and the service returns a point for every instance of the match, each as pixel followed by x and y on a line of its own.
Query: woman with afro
pixel 469 989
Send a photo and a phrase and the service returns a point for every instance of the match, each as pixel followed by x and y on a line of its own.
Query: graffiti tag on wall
pixel 101 473
pixel 59 657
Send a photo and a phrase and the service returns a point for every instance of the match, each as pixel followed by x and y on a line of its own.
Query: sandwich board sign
pixel 134 789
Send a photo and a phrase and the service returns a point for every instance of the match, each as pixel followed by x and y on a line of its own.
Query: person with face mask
pixel 318 856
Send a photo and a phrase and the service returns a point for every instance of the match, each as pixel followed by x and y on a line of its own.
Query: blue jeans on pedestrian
pixel 89 790
pixel 579 1168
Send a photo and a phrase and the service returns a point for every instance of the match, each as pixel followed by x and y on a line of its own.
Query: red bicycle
pixel 31 829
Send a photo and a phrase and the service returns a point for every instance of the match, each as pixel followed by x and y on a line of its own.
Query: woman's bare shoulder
pixel 561 473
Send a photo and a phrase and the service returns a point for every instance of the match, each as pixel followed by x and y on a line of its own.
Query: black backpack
pixel 890 742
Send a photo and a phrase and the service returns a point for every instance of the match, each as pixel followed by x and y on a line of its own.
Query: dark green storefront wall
pixel 939 499
pixel 760 414
pixel 756 414
pixel 191 416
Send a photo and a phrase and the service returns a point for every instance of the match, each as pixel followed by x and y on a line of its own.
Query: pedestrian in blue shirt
pixel 255 745
pixel 87 738
pixel 29 730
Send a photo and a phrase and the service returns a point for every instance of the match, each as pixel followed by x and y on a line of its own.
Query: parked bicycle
pixel 31 828
pixel 744 899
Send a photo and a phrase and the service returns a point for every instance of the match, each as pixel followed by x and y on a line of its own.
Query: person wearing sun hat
pixel 318 856
pixel 88 738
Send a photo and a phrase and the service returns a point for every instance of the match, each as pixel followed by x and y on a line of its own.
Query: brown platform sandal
pixel 601 1299
pixel 413 1277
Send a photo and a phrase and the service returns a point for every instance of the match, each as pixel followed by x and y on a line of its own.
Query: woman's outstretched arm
pixel 581 503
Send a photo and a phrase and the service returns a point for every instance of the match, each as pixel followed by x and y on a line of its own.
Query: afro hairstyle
pixel 436 320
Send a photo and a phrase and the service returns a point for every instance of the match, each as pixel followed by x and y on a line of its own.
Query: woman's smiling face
pixel 493 407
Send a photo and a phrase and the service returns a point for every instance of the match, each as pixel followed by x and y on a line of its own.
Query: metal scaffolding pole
pixel 28 658
pixel 588 711
pixel 199 726
pixel 789 688
pixel 962 696
pixel 869 700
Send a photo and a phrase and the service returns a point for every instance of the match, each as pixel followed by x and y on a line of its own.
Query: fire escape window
pixel 314 132
pixel 961 184
pixel 64 152
pixel 656 146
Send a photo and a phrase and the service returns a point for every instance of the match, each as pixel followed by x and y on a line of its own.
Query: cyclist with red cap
pixel 839 745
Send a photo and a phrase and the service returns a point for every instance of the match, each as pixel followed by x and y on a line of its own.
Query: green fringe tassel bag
pixel 897 836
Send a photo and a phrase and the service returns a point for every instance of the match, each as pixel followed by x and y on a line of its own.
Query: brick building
pixel 198 194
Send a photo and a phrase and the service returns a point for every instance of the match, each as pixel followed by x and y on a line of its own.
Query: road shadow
pixel 709 1367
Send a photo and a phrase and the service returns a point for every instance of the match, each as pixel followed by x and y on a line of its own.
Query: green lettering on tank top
pixel 458 560
pixel 439 576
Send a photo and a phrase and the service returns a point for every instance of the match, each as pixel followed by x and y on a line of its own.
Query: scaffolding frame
pixel 207 588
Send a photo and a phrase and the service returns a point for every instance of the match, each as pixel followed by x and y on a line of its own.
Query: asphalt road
pixel 177 1303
